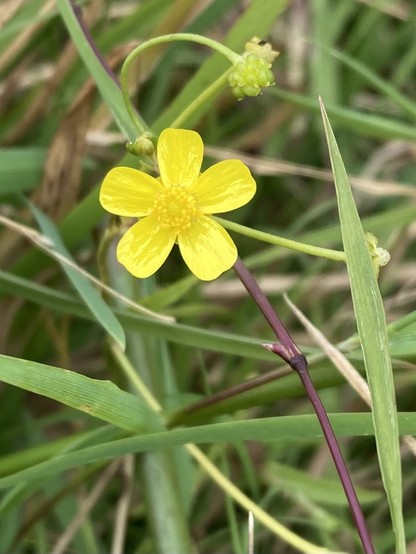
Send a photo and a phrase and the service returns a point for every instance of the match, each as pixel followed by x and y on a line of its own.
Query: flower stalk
pixel 312 250
pixel 232 57
pixel 248 74
pixel 291 354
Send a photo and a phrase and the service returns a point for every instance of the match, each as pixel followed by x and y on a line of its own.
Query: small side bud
pixel 379 256
pixel 142 146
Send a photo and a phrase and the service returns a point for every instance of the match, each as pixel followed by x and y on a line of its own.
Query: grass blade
pixel 272 428
pixel 371 324
pixel 88 293
pixel 101 399
pixel 407 105
pixel 364 123
pixel 107 86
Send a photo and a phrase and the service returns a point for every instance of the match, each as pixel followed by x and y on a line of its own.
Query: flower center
pixel 176 208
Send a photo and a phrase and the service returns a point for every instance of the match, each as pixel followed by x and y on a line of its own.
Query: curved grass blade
pixel 273 428
pixel 372 330
pixel 105 81
pixel 92 299
pixel 174 332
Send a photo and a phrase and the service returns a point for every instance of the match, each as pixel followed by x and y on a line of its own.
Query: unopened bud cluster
pixel 253 71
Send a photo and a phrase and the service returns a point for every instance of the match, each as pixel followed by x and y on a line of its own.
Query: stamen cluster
pixel 176 208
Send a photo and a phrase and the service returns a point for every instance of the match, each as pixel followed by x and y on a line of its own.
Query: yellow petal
pixel 129 192
pixel 179 153
pixel 207 248
pixel 144 247
pixel 225 186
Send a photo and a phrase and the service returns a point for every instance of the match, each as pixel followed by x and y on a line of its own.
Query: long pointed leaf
pixel 107 86
pixel 372 330
pixel 282 428
pixel 92 299
pixel 98 398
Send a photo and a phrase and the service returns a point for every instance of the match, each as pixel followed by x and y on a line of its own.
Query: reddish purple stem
pixel 290 353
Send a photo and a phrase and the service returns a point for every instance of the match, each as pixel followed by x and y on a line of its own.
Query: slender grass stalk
pixel 290 353
pixel 200 100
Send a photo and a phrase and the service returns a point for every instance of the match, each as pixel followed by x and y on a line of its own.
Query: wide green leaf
pixel 101 399
pixel 20 168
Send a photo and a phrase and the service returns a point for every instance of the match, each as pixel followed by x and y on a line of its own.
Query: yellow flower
pixel 176 207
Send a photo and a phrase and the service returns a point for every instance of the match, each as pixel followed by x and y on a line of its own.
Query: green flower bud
pixel 143 145
pixel 252 72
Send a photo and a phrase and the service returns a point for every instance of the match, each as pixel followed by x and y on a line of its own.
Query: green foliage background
pixel 87 462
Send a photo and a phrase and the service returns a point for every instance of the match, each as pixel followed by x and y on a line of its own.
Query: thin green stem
pixel 135 380
pixel 277 528
pixel 177 37
pixel 336 255
pixel 206 95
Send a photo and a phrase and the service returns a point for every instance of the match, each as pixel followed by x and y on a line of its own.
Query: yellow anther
pixel 176 208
